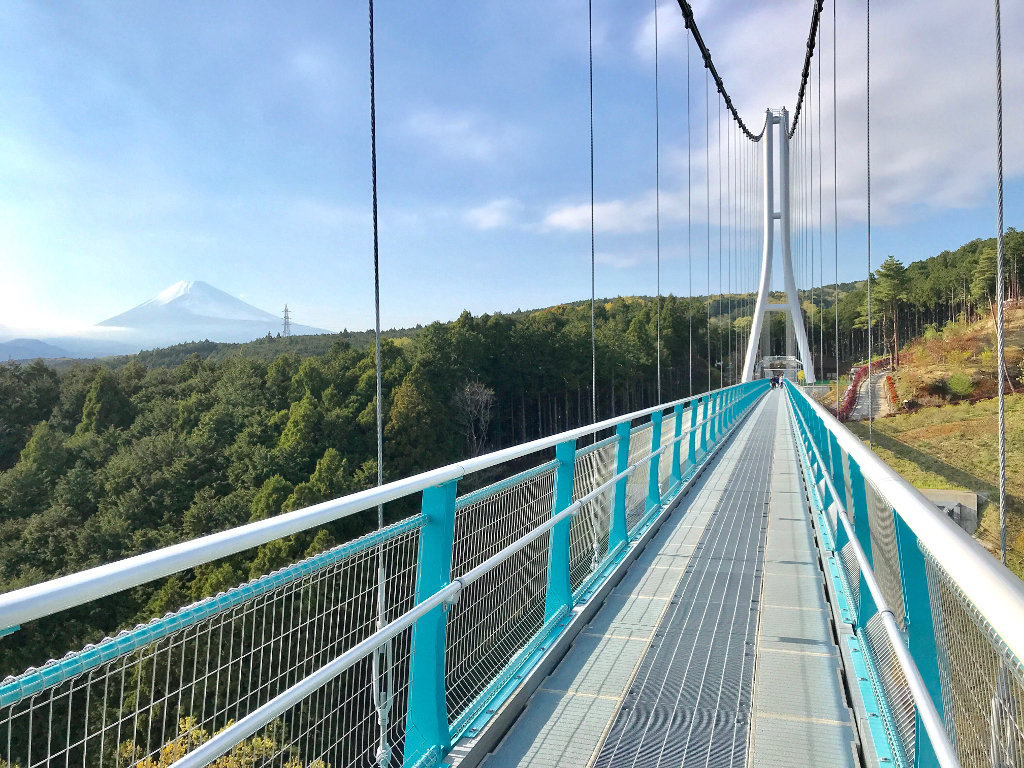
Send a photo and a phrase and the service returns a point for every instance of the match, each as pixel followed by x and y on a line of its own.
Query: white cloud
pixel 932 93
pixel 463 135
pixel 610 216
pixel 497 213
pixel 671 34
pixel 617 260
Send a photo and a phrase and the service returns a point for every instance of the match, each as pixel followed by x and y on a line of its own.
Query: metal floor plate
pixel 690 702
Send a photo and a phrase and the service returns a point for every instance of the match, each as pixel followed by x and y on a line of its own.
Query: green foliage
pixel 27 396
pixel 960 384
pixel 268 500
pixel 101 461
pixel 983 281
pixel 106 405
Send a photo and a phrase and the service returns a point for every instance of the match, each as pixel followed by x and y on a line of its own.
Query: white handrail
pixel 926 710
pixel 993 589
pixel 49 597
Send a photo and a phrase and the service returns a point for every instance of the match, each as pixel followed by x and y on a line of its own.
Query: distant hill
pixel 30 349
pixel 266 348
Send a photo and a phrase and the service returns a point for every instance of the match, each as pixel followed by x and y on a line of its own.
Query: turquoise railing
pixel 935 622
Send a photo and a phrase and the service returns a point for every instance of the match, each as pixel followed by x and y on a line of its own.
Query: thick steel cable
pixel 657 187
pixel 871 407
pixel 821 233
pixel 383 699
pixel 691 25
pixel 707 196
pixel 805 74
pixel 999 287
pixel 721 361
pixel 730 196
pixel 835 188
pixel 593 336
pixel 689 221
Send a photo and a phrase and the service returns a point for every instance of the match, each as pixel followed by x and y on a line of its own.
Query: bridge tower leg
pixel 783 215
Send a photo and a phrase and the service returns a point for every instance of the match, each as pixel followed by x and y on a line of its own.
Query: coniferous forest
pixel 106 459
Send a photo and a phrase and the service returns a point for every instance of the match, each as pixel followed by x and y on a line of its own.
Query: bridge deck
pixel 715 643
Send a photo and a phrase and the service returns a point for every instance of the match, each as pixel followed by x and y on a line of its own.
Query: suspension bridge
pixel 728 579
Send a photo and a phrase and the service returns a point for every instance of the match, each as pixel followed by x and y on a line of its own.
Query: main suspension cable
pixel 709 65
pixel 811 37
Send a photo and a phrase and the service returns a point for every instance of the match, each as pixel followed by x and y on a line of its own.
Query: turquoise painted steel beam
pixel 677 471
pixel 653 485
pixel 862 527
pixel 559 594
pixel 619 534
pixel 920 632
pixel 427 712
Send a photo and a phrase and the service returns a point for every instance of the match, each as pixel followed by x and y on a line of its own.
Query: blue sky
pixel 146 143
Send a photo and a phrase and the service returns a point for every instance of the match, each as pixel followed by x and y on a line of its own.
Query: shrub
pixel 960 384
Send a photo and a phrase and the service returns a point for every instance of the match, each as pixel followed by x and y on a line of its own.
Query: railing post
pixel 691 455
pixel 704 427
pixel 713 420
pixel 559 594
pixel 619 535
pixel 653 484
pixel 920 632
pixel 427 714
pixel 862 527
pixel 677 472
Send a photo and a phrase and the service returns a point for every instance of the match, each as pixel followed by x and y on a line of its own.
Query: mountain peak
pixel 191 309
pixel 172 292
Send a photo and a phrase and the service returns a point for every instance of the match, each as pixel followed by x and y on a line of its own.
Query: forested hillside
pixel 107 459
pixel 101 464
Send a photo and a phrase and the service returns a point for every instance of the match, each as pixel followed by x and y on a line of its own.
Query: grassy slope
pixel 955 446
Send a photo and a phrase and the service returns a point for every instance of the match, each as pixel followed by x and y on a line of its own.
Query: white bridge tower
pixel 794 317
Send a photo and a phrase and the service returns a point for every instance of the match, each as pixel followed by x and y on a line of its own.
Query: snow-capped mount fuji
pixel 191 310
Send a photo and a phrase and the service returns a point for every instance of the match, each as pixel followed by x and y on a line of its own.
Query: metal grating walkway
pixel 715 648
pixel 690 702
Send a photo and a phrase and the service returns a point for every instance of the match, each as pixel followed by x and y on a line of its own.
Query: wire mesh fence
pixel 982 683
pixel 589 528
pixel 851 571
pixel 902 713
pixel 668 431
pixel 499 613
pixel 146 697
pixel 636 486
pixel 885 554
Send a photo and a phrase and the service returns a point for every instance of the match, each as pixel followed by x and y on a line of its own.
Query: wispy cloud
pixel 612 216
pixel 495 214
pixel 463 135
pixel 617 260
